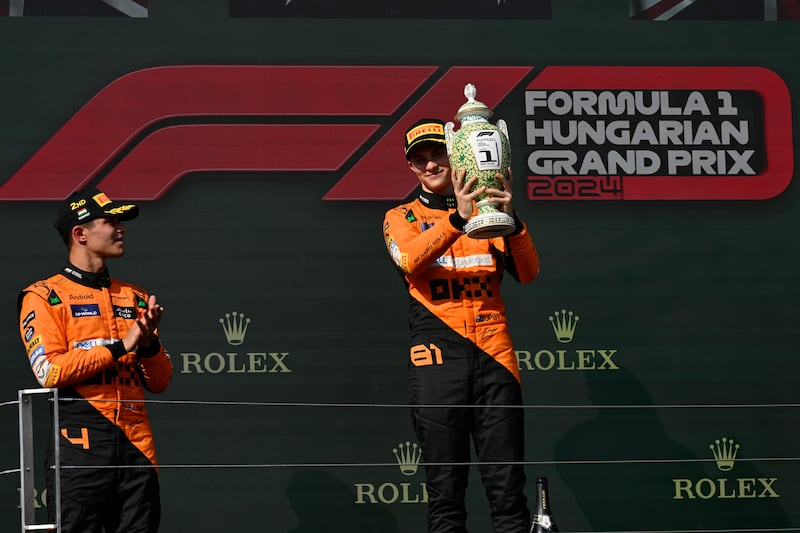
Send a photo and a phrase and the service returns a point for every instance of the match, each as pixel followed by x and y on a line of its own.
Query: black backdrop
pixel 687 328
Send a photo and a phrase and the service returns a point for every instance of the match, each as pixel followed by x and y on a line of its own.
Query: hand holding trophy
pixel 484 151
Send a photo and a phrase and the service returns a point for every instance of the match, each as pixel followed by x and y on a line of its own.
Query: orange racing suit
pixel 72 324
pixel 461 355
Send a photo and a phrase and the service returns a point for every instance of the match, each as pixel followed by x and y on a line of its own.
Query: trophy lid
pixel 473 107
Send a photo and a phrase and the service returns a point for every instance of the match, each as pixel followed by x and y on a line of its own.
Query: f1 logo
pixel 148 129
pixel 487 147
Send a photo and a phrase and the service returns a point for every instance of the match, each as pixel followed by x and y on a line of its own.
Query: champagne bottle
pixel 543 518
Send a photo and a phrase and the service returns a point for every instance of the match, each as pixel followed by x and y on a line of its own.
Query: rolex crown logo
pixel 235 327
pixel 724 451
pixel 564 324
pixel 408 456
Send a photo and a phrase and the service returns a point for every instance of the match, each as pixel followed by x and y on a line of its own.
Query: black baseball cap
pixel 88 204
pixel 424 130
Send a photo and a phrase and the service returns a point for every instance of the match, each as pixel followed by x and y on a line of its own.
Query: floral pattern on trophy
pixel 484 151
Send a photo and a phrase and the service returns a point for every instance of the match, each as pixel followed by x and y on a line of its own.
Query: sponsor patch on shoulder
pixel 28 318
pixel 36 341
pixel 35 354
pixel 53 298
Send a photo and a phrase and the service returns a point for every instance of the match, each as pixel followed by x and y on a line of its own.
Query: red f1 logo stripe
pixel 382 174
pixel 133 108
pixel 170 153
pixel 141 99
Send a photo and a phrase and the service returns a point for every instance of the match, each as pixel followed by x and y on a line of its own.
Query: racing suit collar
pixel 437 201
pixel 95 280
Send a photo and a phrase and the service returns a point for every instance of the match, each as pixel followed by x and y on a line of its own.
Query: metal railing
pixel 26 462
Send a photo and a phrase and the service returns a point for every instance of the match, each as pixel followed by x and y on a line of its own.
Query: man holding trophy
pixel 464 376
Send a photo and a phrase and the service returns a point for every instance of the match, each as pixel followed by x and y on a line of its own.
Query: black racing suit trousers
pixel 467 376
pixel 107 484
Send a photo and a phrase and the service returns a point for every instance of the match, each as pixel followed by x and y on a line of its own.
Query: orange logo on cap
pixel 101 199
pixel 424 129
